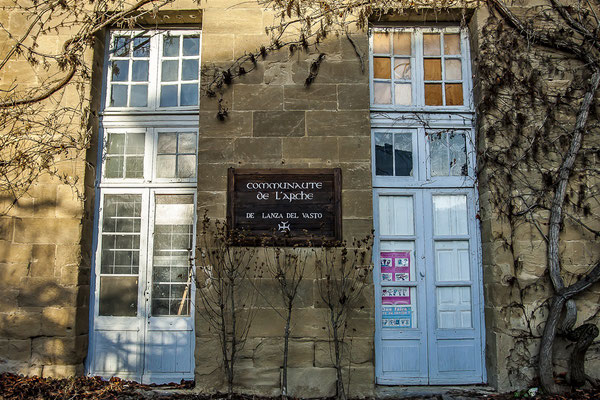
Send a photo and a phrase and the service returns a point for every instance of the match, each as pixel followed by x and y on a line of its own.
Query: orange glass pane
pixel 454 94
pixel 451 43
pixel 402 68
pixel 383 93
pixel 433 69
pixel 453 70
pixel 433 94
pixel 402 43
pixel 381 42
pixel 431 44
pixel 382 67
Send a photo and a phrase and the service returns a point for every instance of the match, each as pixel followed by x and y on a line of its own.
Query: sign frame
pixel 252 239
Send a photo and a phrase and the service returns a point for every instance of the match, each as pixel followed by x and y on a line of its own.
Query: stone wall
pixel 45 239
pixel 275 121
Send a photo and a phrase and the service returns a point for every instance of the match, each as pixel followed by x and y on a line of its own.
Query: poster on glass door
pixel 396 302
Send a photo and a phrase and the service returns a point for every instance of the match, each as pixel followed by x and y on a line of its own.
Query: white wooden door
pixel 143 296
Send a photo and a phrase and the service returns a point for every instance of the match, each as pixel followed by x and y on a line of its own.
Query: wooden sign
pixel 285 206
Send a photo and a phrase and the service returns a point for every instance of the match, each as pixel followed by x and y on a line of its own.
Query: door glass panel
pixel 448 153
pixel 125 155
pixel 396 215
pixel 384 158
pixel 396 261
pixel 403 159
pixel 454 307
pixel 176 155
pixel 399 307
pixel 450 215
pixel 171 262
pixel 120 254
pixel 452 260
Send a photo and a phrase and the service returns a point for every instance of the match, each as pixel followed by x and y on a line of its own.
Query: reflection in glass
pixel 189 70
pixel 118 296
pixel 191 45
pixel 118 96
pixel 139 96
pixel 167 142
pixel 168 96
pixel 169 71
pixel 189 94
pixel 448 154
pixel 140 71
pixel 165 166
pixel 141 46
pixel 403 154
pixel 171 46
pixel 120 70
pixel 384 158
pixel 402 68
pixel 121 46
pixel 458 154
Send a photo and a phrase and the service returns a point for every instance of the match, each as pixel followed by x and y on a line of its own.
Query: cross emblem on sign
pixel 283 226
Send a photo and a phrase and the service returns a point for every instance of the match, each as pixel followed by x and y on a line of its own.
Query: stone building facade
pixel 49 239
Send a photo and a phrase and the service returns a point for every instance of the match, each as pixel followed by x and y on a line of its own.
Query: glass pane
pixel 191 45
pixel 135 142
pixel 167 142
pixel 113 168
pixel 403 94
pixel 452 261
pixel 120 70
pixel 186 166
pixel 458 154
pixel 399 307
pixel 121 46
pixel 134 167
pixel 431 44
pixel 438 154
pixel 454 307
pixel 189 70
pixel 140 71
pixel 402 44
pixel 187 143
pixel 118 96
pixel 433 69
pixel 382 67
pixel 451 43
pixel 397 263
pixel 141 46
pixel 453 69
pixel 403 154
pixel 189 95
pixel 396 215
pixel 384 158
pixel 169 71
pixel 168 96
pixel 381 42
pixel 165 166
pixel 118 296
pixel 116 143
pixel 454 94
pixel 383 93
pixel 139 96
pixel 433 94
pixel 171 46
pixel 450 215
pixel 402 68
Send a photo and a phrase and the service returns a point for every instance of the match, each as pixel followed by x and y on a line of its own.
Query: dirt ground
pixel 20 387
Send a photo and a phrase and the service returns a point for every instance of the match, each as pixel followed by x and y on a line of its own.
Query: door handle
pixel 422 274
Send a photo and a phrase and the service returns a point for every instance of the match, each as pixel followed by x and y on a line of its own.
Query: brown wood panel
pixel 285 206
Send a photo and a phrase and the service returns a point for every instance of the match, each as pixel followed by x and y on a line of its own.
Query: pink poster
pixel 395 266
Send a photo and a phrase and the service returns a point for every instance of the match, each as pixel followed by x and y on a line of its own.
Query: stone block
pixel 44 292
pixel 14 350
pixel 223 95
pixel 278 73
pixel 233 21
pixel 353 96
pixel 337 123
pixel 211 202
pixel 356 228
pixel 357 43
pixel 14 252
pixel 236 124
pixel 341 72
pixel 8 300
pixel 44 199
pixel 311 382
pixel 208 355
pixel 59 350
pixel 62 371
pixel 58 321
pixel 361 351
pixel 11 275
pixel 270 293
pixel 362 381
pixel 249 44
pixel 278 124
pixel 257 149
pixel 263 381
pixel 20 325
pixel 313 97
pixel 356 175
pixel 6 228
pixel 215 150
pixel 357 203
pixel 257 97
pixel 42 260
pixel 212 177
pixel 217 47
pixel 48 230
pixel 355 149
pixel 307 149
pixel 67 203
